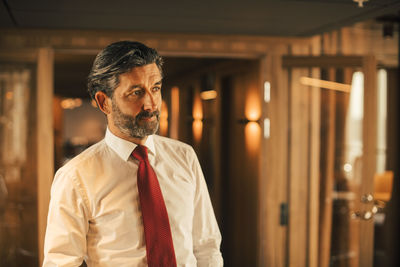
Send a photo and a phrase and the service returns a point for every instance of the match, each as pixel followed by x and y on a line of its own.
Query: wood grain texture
pixel 369 157
pixel 274 164
pixel 45 139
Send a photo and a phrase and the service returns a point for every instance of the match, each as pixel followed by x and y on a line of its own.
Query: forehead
pixel 141 75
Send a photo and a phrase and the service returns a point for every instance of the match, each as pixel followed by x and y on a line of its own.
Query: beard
pixel 132 125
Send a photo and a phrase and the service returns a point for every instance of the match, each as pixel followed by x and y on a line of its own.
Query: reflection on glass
pixel 353 124
pixel 18 208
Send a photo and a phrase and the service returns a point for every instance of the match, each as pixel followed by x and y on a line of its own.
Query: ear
pixel 103 102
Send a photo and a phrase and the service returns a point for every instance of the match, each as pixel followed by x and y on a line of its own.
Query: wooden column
pixel 273 168
pixel 299 162
pixel 369 157
pixel 328 178
pixel 315 143
pixel 327 157
pixel 45 142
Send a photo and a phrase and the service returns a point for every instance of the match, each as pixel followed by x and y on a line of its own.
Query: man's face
pixel 136 103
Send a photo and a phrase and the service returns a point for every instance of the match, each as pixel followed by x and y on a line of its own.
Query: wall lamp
pixel 245 121
pixel 266 121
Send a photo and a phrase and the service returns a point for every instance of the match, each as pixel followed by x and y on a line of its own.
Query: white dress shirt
pixel 94 213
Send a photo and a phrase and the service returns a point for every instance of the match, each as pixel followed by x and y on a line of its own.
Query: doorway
pixel 341 163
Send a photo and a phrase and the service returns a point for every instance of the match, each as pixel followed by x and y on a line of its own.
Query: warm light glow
pixel 208 95
pixel 357 96
pixel 9 95
pixel 174 116
pixel 267 92
pixel 93 103
pixel 164 119
pixel 197 128
pixel 267 128
pixel 71 103
pixel 383 184
pixel 197 114
pixel 325 84
pixel 347 167
pixel 252 133
pixel 381 120
pixel 253 106
pixel 197 111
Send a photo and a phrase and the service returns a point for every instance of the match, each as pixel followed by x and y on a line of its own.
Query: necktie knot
pixel 140 153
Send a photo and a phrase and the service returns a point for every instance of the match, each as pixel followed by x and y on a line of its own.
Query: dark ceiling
pixel 235 17
pixel 250 17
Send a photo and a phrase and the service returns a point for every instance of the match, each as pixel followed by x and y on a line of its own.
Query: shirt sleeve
pixel 67 223
pixel 206 234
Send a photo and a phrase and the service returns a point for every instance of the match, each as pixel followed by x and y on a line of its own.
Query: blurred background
pixel 291 107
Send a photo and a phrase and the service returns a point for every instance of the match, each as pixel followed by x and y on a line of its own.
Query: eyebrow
pixel 141 85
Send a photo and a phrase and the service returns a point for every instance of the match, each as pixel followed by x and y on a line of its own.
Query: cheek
pixel 131 108
pixel 159 101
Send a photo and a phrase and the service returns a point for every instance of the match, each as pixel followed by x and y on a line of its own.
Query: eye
pixel 156 88
pixel 138 92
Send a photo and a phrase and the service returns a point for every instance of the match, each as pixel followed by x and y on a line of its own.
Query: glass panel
pixel 347 173
pixel 348 209
pixel 18 208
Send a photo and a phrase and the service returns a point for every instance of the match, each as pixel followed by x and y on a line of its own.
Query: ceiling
pixel 250 17
pixel 234 17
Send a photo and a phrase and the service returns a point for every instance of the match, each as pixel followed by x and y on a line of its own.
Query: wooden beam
pixel 18 55
pixel 322 61
pixel 45 139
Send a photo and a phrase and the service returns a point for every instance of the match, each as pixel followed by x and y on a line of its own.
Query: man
pixel 135 198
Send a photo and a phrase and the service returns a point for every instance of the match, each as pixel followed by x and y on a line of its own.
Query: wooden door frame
pixel 369 68
pixel 44 154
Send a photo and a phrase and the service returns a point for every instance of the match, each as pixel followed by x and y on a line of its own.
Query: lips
pixel 148 116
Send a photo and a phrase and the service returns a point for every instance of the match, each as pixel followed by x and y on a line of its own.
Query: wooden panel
pixel 244 163
pixel 18 55
pixel 322 61
pixel 45 143
pixel 174 114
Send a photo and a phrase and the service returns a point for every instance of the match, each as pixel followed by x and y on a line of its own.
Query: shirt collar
pixel 125 148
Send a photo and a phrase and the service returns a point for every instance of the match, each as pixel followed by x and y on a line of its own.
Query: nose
pixel 149 102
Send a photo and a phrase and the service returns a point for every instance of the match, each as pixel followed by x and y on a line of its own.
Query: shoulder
pixel 172 144
pixel 89 159
pixel 174 148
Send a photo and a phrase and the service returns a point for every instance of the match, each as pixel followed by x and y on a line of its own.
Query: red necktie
pixel 157 231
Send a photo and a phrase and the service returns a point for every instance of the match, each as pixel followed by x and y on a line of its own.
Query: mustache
pixel 147 114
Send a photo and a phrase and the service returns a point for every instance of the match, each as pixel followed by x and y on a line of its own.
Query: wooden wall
pixel 284 170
